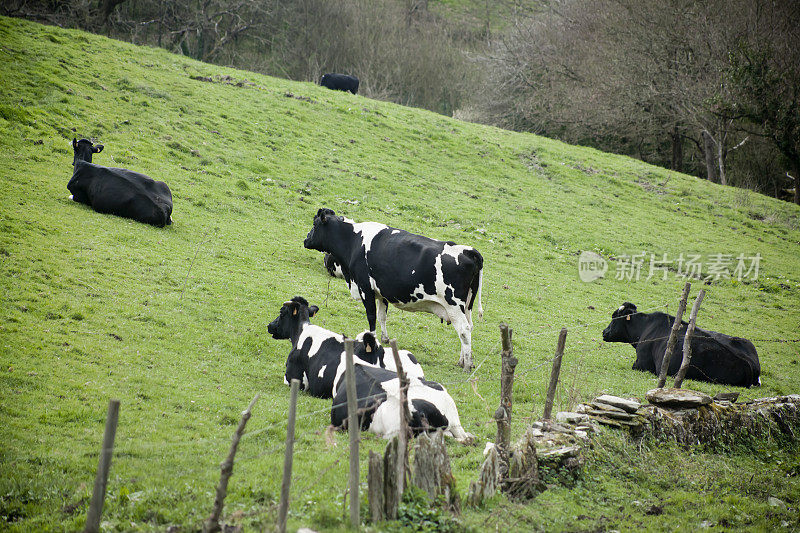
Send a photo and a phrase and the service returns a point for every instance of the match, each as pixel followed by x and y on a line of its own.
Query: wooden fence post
pixel 554 373
pixel 375 484
pixel 503 414
pixel 104 464
pixel 353 429
pixel 226 469
pixel 673 336
pixel 390 501
pixel 405 417
pixel 288 457
pixel 687 344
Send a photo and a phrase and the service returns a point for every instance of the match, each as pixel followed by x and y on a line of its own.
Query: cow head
pixel 324 221
pixel 293 315
pixel 83 150
pixel 368 349
pixel 618 329
pixel 333 268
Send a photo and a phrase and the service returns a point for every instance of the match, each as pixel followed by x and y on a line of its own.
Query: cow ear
pixel 312 310
pixel 97 149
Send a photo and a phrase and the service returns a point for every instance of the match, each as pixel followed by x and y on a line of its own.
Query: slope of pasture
pixel 173 321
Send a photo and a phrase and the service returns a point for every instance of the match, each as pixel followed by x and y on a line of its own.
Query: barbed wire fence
pixel 531 376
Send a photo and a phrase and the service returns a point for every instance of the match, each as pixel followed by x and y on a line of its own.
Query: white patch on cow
pixel 621 308
pixel 285 381
pixel 455 250
pixel 395 231
pixel 317 335
pixel 368 230
pixel 354 292
pixel 386 420
pixel 322 371
pixel 413 271
pixel 305 381
pixel 70 197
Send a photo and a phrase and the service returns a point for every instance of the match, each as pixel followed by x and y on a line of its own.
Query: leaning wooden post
pixel 283 510
pixel 673 336
pixel 503 414
pixel 104 464
pixel 353 428
pixel 687 345
pixel 226 468
pixel 554 373
pixel 405 417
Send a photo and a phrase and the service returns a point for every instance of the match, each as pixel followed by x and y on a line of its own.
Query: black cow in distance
pixel 340 82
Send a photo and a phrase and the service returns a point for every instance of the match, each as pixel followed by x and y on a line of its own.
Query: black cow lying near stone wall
pixel 117 191
pixel 317 359
pixel 340 82
pixel 716 357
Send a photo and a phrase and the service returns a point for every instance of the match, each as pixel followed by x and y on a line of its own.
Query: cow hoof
pixel 468 440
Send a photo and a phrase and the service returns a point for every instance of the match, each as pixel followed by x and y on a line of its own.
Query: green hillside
pixel 173 321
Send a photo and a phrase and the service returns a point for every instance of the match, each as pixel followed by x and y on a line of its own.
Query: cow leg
pixel 383 310
pixel 464 330
pixel 368 300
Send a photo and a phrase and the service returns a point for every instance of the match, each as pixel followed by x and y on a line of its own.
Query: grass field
pixel 173 321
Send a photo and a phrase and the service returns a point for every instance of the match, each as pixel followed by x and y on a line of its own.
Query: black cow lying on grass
pixel 716 358
pixel 383 265
pixel 117 191
pixel 317 359
pixel 340 82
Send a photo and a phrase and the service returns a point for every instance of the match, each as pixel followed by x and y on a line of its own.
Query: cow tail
pixel 477 281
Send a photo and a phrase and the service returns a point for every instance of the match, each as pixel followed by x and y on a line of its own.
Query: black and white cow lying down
pixel 384 265
pixel 317 359
pixel 716 357
pixel 117 191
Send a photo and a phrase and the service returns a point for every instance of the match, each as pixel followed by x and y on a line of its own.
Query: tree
pixel 765 76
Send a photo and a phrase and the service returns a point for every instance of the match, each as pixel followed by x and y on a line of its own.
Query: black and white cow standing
pixel 317 359
pixel 317 355
pixel 384 265
pixel 117 191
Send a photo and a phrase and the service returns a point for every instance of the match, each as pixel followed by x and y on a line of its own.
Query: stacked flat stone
pixel 612 411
